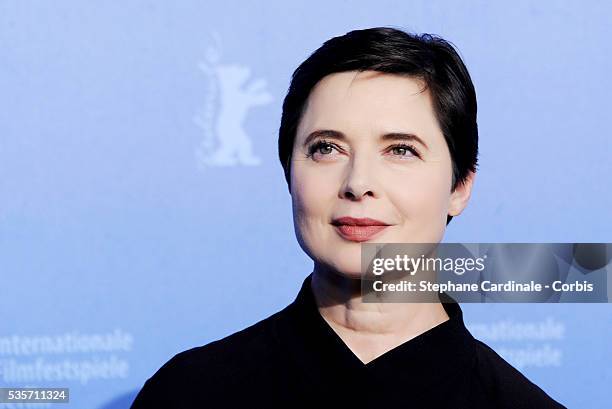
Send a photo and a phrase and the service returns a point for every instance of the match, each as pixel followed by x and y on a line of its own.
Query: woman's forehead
pixel 371 102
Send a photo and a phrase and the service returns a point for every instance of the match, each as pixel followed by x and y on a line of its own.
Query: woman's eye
pixel 400 151
pixel 323 148
pixel 404 151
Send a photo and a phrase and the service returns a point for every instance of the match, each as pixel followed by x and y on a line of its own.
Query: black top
pixel 295 358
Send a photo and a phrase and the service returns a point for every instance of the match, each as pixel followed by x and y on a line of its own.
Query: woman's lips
pixel 358 233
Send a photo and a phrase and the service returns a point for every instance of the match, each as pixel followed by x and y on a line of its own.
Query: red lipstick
pixel 358 229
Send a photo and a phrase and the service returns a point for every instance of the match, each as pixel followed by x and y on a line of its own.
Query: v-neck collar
pixel 438 353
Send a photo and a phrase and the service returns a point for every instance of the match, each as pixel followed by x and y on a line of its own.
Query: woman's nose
pixel 360 180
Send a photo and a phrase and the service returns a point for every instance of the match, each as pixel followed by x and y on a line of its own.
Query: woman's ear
pixel 461 195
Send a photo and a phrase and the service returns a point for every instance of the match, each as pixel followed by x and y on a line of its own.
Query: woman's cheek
pixel 310 206
pixel 311 193
pixel 423 202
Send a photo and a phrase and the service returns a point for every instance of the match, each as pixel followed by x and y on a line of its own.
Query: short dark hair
pixel 426 57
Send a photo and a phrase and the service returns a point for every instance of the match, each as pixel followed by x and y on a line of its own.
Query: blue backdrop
pixel 139 174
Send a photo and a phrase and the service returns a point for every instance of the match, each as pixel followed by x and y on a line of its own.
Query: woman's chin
pixel 349 270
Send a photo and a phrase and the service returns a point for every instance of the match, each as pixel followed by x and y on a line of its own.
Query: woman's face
pixel 369 146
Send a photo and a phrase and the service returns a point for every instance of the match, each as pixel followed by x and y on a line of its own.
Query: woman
pixel 378 142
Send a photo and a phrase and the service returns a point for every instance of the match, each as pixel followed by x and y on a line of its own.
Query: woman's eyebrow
pixel 401 136
pixel 392 136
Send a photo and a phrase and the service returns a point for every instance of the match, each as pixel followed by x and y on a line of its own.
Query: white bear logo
pixel 225 142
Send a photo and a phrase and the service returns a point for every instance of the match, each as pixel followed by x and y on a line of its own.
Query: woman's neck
pixel 370 329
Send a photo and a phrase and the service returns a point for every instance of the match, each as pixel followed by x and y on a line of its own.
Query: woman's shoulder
pixel 217 365
pixel 507 385
pixel 245 345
